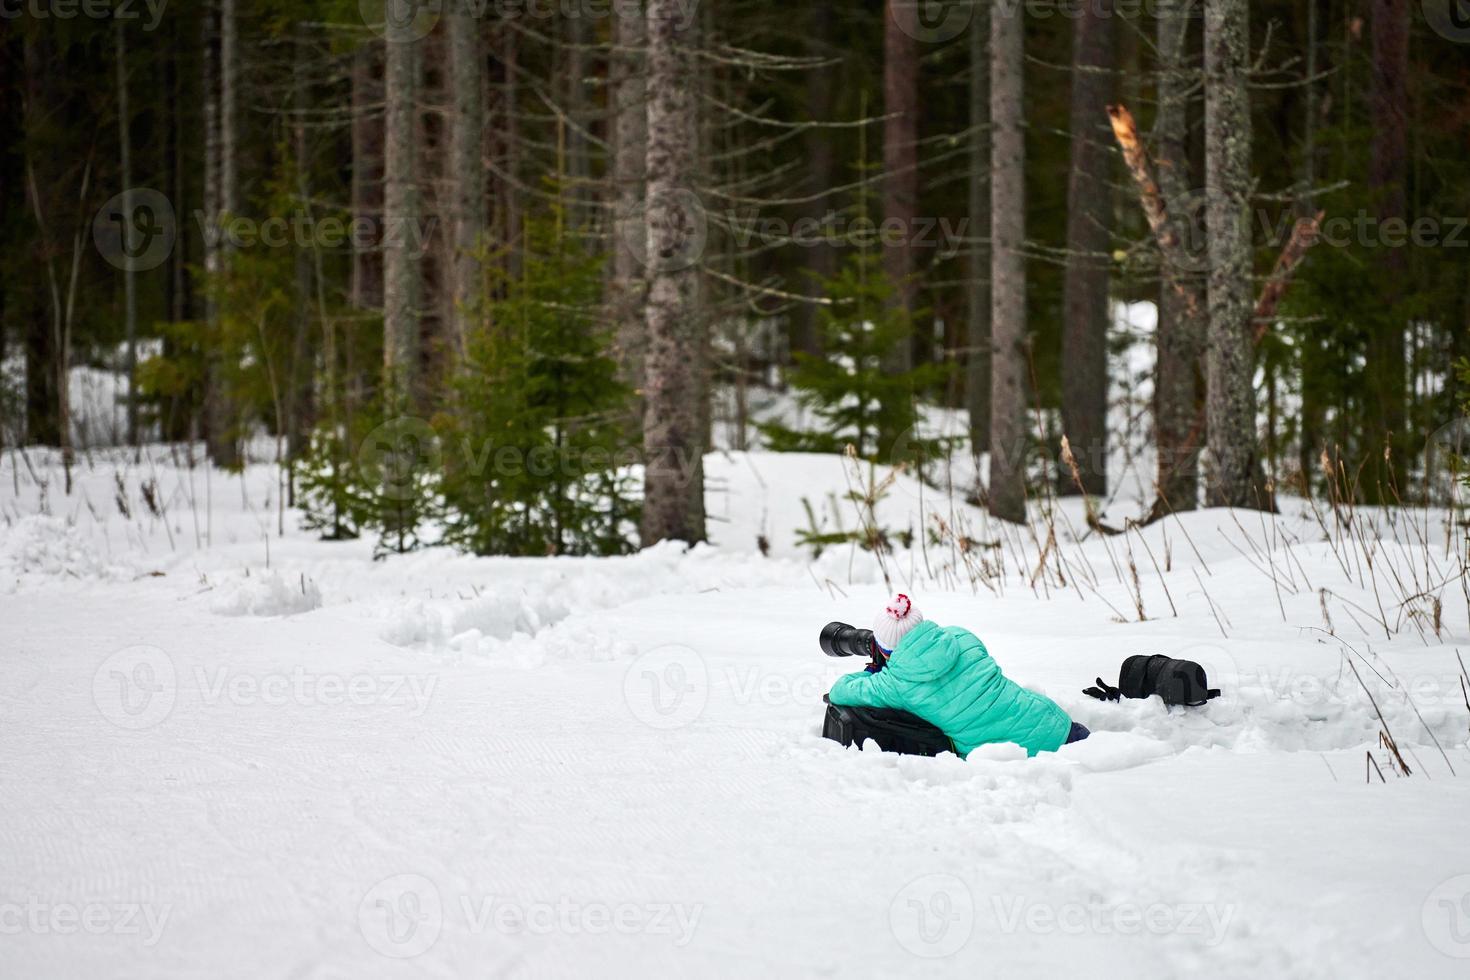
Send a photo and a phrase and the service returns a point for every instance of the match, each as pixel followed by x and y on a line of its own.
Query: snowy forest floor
pixel 228 752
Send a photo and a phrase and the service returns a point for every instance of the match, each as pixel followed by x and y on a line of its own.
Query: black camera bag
pixel 893 730
pixel 1175 681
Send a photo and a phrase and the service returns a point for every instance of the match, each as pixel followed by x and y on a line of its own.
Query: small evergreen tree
pixel 541 447
pixel 856 402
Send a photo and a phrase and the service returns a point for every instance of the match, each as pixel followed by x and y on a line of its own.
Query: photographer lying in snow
pixel 945 676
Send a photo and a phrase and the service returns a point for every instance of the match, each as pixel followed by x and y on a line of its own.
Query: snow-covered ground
pixel 227 752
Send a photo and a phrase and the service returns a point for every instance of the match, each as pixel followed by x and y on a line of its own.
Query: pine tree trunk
pixel 1387 182
pixel 367 173
pixel 673 428
pixel 578 156
pixel 301 368
pixel 819 258
pixel 10 134
pixel 468 169
pixel 1008 369
pixel 1182 326
pixel 900 167
pixel 402 284
pixel 130 287
pixel 1089 218
pixel 1231 403
pixel 510 56
pixel 43 415
pixel 229 67
pixel 629 95
pixel 977 291
pixel 221 418
pixel 1309 433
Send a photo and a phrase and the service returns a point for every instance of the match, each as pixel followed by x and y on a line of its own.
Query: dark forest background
pixel 355 227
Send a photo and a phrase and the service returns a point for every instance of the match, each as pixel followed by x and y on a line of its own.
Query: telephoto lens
pixel 842 640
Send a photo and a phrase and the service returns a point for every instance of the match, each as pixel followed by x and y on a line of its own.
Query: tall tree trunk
pixel 578 155
pixel 629 95
pixel 510 58
pixel 43 412
pixel 1231 403
pixel 977 291
pixel 468 168
pixel 130 286
pixel 301 369
pixel 820 258
pixel 673 426
pixel 180 420
pixel 435 198
pixel 1182 326
pixel 221 419
pixel 1008 367
pixel 366 289
pixel 1387 181
pixel 901 165
pixel 1309 433
pixel 12 130
pixel 1089 219
pixel 402 286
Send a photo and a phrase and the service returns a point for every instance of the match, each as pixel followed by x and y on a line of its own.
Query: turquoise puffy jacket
pixel 946 676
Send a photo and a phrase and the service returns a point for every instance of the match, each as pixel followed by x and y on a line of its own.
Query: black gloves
pixel 1103 692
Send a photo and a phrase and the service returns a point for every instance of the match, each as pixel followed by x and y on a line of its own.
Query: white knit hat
pixel 895 621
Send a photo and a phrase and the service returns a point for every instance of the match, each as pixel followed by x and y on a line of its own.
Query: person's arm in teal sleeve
pixel 862 690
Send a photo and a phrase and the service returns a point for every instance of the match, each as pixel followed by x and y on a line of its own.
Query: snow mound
pixel 39 545
pixel 271 594
pixel 499 615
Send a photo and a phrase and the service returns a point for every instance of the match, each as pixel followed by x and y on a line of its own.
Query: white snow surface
pixel 231 752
